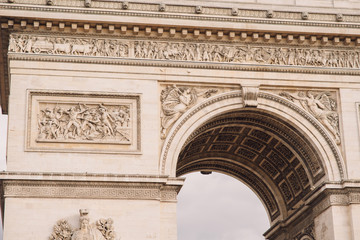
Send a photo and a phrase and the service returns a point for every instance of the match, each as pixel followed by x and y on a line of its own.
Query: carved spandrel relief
pixel 101 230
pixel 177 99
pixel 69 121
pixel 322 105
pixel 84 122
pixel 186 51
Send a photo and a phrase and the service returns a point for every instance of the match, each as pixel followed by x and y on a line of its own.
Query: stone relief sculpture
pixel 176 100
pixel 68 46
pixel 186 51
pixel 321 106
pixel 205 52
pixel 101 230
pixel 84 122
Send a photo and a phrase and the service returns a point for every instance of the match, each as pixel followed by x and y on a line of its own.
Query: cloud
pixel 219 207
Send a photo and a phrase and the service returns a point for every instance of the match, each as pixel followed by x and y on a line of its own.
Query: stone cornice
pixel 179 22
pixel 90 186
pixel 342 193
pixel 127 8
pixel 98 177
pixel 253 53
pixel 218 19
pixel 89 190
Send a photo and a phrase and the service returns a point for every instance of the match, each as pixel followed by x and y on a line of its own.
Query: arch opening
pixel 218 206
pixel 264 151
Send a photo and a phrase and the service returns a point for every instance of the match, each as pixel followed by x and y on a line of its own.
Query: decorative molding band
pixel 96 177
pixel 248 56
pixel 184 12
pixel 336 197
pixel 124 30
pixel 178 64
pixel 89 190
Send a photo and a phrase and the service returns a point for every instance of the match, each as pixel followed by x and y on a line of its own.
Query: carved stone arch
pixel 293 153
pixel 232 101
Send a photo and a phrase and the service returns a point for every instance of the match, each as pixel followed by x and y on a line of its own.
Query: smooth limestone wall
pixel 33 218
pixel 147 81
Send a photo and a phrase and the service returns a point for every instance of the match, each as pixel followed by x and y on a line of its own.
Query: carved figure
pixel 86 232
pixel 101 230
pixel 82 122
pixel 175 101
pixel 321 107
pixel 73 114
pixel 185 51
pixel 13 44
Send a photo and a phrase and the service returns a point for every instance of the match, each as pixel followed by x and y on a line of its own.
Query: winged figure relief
pixel 101 230
pixel 321 106
pixel 176 100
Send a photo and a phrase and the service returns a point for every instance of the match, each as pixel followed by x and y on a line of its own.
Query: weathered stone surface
pixel 111 102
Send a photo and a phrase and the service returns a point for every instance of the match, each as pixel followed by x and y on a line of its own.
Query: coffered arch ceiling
pixel 264 151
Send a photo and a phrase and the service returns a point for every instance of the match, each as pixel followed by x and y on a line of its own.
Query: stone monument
pixel 111 102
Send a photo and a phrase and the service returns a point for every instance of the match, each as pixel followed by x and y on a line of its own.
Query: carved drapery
pixel 322 105
pixel 100 230
pixel 176 100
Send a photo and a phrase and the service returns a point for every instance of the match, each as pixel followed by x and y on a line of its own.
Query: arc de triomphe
pixel 111 102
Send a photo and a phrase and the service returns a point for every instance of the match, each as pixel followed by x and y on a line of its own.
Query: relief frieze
pixel 240 53
pixel 84 122
pixel 68 46
pixel 72 121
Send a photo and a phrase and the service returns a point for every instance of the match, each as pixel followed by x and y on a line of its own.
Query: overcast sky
pixel 219 207
pixel 210 207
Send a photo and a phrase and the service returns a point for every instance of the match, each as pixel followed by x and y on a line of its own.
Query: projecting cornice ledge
pixel 203 17
pixel 92 186
pixel 261 31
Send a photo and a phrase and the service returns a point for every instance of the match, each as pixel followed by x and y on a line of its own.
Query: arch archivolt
pixel 310 128
pixel 284 150
pixel 189 122
pixel 214 106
